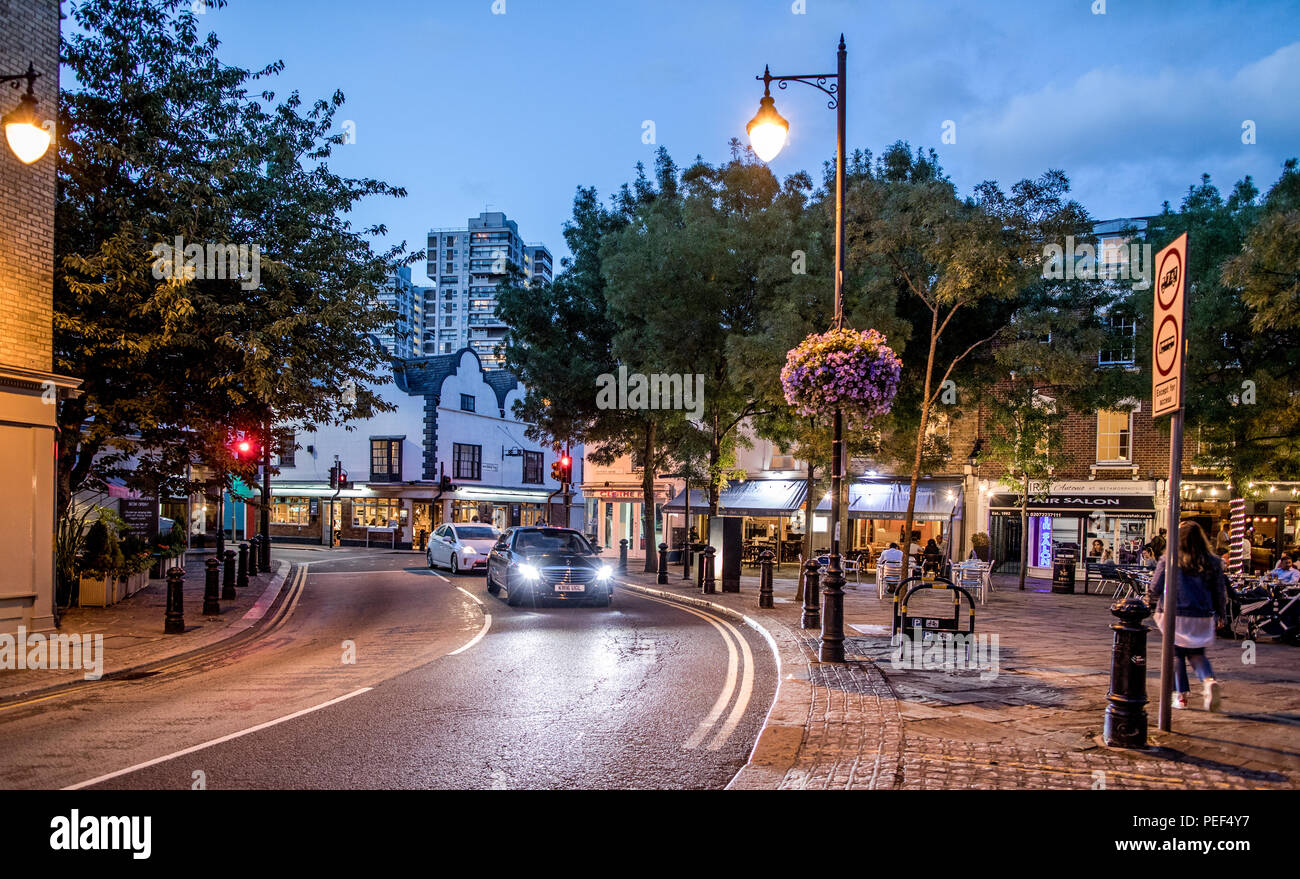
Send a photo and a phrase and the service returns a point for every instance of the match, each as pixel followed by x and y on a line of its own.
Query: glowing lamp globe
pixel 767 130
pixel 23 131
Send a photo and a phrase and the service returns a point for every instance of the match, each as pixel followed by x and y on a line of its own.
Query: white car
pixel 463 546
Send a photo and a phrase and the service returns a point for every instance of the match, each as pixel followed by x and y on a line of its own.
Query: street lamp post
pixel 767 132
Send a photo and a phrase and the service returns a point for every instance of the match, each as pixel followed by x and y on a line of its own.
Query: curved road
pixel 387 675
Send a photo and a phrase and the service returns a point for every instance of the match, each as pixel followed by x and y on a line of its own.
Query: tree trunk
pixel 1024 531
pixel 648 459
pixel 920 437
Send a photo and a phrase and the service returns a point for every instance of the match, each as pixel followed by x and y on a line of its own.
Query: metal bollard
pixel 812 609
pixel 710 586
pixel 699 565
pixel 252 556
pixel 264 560
pixel 174 620
pixel 1126 714
pixel 622 556
pixel 663 564
pixel 687 549
pixel 241 577
pixel 228 577
pixel 211 606
pixel 765 579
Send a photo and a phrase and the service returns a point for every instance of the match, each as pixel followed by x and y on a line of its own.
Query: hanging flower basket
pixel 852 369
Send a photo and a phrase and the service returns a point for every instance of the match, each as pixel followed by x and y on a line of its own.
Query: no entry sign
pixel 1167 342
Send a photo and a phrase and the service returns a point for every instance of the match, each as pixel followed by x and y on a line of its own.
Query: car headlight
pixel 604 572
pixel 529 572
pixel 469 550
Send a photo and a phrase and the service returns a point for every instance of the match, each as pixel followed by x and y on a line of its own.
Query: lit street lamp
pixel 767 133
pixel 23 130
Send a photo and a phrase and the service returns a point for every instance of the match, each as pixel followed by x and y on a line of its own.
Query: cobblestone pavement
pixel 1031 720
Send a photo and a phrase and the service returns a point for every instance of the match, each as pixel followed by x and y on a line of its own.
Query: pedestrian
pixel 1202 587
pixel 1223 542
pixel 1158 544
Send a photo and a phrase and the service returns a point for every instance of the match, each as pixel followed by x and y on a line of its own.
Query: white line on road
pixel 487 624
pixel 471 595
pixel 729 686
pixel 209 744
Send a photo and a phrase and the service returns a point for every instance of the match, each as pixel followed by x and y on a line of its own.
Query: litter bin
pixel 1064 558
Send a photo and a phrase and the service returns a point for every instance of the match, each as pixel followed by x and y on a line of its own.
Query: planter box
pixel 97 592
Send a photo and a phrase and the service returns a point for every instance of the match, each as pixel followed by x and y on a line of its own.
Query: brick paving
pixel 1036 723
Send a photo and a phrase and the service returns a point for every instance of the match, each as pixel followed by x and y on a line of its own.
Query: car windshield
pixel 551 541
pixel 476 532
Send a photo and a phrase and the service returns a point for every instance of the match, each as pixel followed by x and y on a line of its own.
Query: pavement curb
pixel 236 629
pixel 782 735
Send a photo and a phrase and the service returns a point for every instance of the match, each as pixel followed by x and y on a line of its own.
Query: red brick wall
pixel 29 32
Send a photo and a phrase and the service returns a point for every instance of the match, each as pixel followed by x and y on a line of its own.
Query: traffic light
pixel 244 447
pixel 334 477
pixel 445 484
pixel 562 469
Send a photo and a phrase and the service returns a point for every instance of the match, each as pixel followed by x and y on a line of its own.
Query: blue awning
pixel 873 499
pixel 752 497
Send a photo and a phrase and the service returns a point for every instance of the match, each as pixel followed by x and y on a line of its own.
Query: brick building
pixel 29 34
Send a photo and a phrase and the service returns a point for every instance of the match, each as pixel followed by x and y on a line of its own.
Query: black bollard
pixel 765 579
pixel 241 577
pixel 663 564
pixel 264 556
pixel 622 556
pixel 211 606
pixel 699 565
pixel 228 577
pixel 812 609
pixel 174 620
pixel 1126 714
pixel 687 549
pixel 710 585
pixel 252 556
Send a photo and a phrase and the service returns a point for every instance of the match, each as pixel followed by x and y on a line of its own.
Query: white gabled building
pixel 453 423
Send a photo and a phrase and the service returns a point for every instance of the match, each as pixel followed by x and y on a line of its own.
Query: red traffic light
pixel 565 462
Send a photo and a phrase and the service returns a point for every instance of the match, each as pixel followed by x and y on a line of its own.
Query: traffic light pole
pixel 265 544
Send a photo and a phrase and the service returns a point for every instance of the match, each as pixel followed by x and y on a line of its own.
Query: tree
pixel 1241 362
pixel 161 141
pixel 962 261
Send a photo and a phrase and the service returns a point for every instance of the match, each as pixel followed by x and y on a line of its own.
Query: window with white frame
pixel 1115 436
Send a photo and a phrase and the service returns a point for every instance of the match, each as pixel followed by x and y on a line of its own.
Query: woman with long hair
pixel 1202 586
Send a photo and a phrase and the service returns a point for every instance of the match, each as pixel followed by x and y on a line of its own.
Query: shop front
pixel 770 510
pixel 877 515
pixel 1270 517
pixel 1102 525
pixel 613 513
pixel 501 508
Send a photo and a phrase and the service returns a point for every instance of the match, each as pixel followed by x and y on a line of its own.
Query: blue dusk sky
pixel 471 110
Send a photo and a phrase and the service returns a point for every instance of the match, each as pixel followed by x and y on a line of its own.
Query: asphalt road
pixel 642 694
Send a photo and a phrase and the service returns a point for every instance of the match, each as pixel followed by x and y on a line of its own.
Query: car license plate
pixel 570 587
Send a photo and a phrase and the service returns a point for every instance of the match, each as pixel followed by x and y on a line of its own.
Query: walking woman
pixel 1202 586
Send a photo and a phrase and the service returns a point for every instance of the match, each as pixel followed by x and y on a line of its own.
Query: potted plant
pixel 853 370
pixel 101 560
pixel 137 556
pixel 979 542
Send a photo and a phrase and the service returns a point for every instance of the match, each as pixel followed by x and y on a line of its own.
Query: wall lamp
pixel 23 130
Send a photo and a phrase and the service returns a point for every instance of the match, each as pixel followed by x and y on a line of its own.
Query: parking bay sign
pixel 1167 344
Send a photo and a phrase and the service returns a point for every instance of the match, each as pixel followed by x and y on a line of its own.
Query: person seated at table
pixel 893 555
pixel 1285 571
pixel 932 556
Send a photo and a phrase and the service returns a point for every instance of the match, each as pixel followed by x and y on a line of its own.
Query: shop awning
pixel 935 500
pixel 753 497
pixel 1140 505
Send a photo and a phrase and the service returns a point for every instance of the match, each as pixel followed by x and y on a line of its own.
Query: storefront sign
pixel 1076 504
pixel 141 516
pixel 313 506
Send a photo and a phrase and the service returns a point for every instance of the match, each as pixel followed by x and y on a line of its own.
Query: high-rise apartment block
pixel 466 265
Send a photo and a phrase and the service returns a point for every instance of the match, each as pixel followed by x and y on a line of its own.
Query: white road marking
pixel 471 595
pixel 300 586
pixel 209 744
pixel 725 629
pixel 487 624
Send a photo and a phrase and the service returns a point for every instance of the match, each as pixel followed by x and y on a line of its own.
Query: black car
pixel 541 563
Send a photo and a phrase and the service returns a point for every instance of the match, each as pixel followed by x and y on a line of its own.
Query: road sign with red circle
pixel 1167 343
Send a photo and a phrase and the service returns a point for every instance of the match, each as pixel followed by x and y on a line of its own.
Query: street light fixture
pixel 767 132
pixel 23 130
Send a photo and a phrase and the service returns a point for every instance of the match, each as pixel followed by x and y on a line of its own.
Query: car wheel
pixel 429 556
pixel 492 588
pixel 514 597
pixel 455 565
